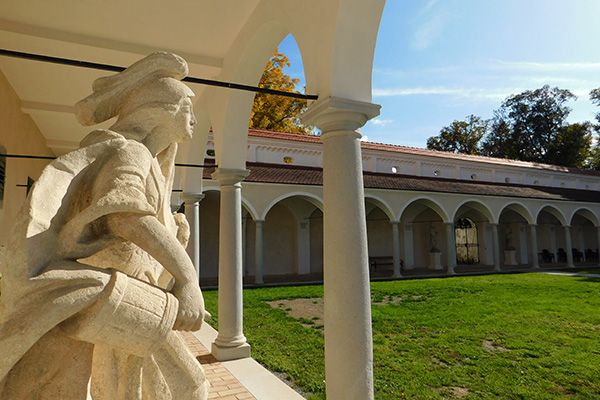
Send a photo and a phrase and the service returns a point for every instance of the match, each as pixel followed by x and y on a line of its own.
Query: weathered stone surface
pixel 96 281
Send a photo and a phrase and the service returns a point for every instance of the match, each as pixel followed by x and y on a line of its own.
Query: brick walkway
pixel 223 385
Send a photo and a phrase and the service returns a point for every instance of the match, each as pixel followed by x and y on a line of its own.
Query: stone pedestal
pixel 435 261
pixel 510 257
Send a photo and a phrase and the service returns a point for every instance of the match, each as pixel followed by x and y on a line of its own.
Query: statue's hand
pixel 191 307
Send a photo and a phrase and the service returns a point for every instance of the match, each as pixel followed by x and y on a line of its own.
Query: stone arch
pixel 587 214
pixel 558 214
pixel 474 245
pixel 287 238
pixel 427 202
pixel 475 205
pixel 383 205
pixel 514 237
pixel 584 236
pixel 551 239
pixel 209 234
pixel 424 235
pixel 311 198
pixel 520 209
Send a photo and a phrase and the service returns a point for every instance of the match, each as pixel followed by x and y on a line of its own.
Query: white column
pixel 396 248
pixel 192 214
pixel 569 246
pixel 230 343
pixel 451 248
pixel 348 335
pixel 409 246
pixel 244 244
pixel 581 237
pixel 495 247
pixel 534 247
pixel 259 260
pixel 303 247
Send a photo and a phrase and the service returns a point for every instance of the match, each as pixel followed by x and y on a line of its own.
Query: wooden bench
pixel 380 261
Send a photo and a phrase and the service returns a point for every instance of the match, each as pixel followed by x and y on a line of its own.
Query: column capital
pixel 336 114
pixel 533 225
pixel 229 176
pixel 191 197
pixel 567 226
pixel 259 221
pixel 395 222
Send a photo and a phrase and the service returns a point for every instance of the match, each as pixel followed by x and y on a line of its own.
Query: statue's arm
pixel 153 237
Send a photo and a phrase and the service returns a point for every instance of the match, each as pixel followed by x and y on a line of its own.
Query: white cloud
pixel 381 122
pixel 429 31
pixel 472 93
pixel 431 22
pixel 364 138
pixel 546 66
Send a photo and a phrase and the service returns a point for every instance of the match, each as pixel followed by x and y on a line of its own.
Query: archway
pixel 288 241
pixel 425 243
pixel 209 238
pixel 379 239
pixel 514 240
pixel 474 239
pixel 584 235
pixel 551 239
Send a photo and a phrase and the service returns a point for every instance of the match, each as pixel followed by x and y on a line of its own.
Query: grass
pixel 520 336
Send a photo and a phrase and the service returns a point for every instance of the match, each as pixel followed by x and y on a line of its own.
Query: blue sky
pixel 441 60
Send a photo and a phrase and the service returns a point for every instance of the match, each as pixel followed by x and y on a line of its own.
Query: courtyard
pixel 510 336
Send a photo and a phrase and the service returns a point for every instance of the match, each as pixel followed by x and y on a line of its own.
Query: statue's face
pixel 184 121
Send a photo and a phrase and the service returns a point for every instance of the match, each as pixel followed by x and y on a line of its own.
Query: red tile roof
pixel 424 152
pixel 301 175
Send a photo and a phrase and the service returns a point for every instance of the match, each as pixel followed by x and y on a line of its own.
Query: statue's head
pixel 147 98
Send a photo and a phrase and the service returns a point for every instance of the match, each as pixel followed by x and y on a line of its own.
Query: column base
pixel 230 353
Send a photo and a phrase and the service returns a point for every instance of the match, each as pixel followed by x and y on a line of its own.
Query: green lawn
pixel 521 336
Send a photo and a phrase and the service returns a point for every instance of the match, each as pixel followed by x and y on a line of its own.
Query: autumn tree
pixel 460 136
pixel 278 113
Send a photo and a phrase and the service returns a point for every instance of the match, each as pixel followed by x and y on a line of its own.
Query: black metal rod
pixel 32 157
pixel 114 68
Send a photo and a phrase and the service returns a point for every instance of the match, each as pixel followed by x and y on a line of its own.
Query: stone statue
pixel 96 280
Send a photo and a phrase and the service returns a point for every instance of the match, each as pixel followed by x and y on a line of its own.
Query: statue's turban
pixel 153 79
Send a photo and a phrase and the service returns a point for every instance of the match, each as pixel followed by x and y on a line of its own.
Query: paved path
pixel 574 274
pixel 242 379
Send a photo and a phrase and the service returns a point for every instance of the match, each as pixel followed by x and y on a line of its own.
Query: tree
pixel 595 97
pixel 527 124
pixel 460 136
pixel 572 146
pixel 278 113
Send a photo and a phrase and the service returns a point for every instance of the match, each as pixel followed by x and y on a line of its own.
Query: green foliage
pixel 520 336
pixel 278 113
pixel 595 97
pixel 527 124
pixel 460 136
pixel 572 146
